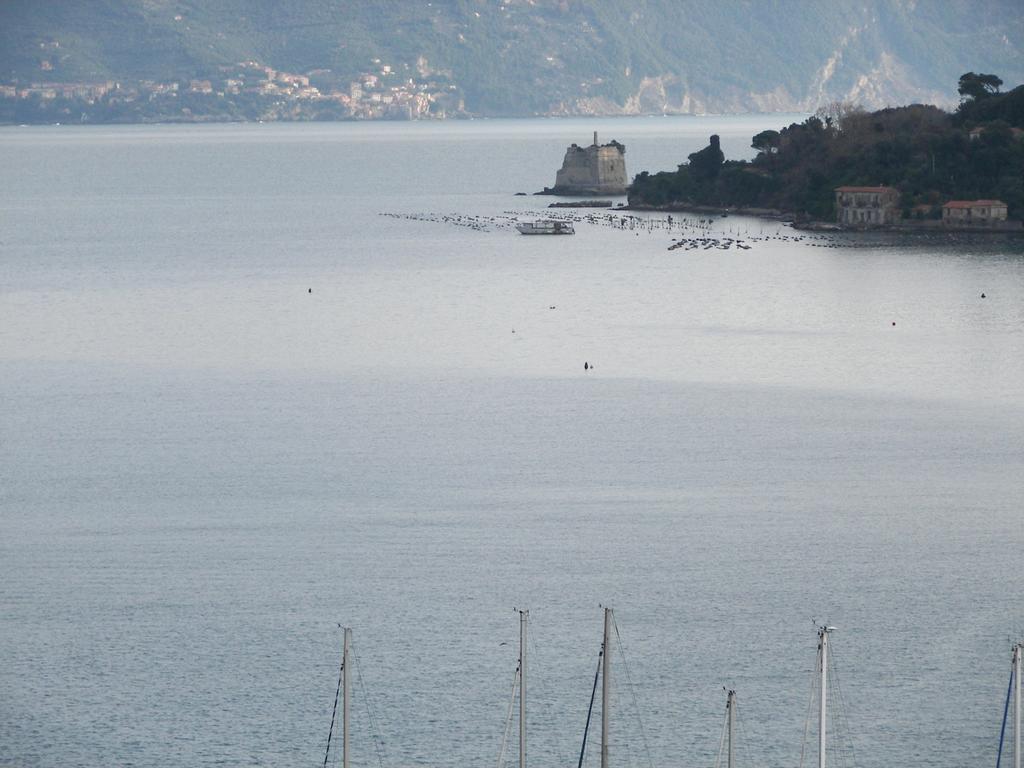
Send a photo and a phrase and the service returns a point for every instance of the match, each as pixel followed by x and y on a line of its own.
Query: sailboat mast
pixel 823 657
pixel 605 687
pixel 730 707
pixel 346 691
pixel 1017 649
pixel 523 617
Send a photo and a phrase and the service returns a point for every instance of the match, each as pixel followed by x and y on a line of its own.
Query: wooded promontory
pixel 929 155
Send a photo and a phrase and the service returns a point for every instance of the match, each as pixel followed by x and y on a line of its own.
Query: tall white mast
pixel 1017 650
pixel 346 686
pixel 523 617
pixel 823 633
pixel 605 689
pixel 730 707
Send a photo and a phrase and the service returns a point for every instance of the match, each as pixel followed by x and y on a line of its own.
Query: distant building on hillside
pixel 973 212
pixel 599 169
pixel 867 206
pixel 976 133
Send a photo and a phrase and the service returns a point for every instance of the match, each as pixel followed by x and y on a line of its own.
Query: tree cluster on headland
pixel 929 155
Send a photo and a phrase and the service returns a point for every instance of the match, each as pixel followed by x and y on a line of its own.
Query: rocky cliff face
pixel 889 82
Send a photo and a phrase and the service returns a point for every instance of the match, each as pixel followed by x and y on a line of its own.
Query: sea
pixel 262 381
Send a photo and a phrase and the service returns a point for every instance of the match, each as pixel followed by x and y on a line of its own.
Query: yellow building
pixel 867 206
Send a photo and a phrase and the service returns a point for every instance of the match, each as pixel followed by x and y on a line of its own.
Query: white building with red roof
pixel 973 212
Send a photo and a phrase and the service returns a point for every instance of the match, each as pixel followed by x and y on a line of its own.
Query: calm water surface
pixel 204 467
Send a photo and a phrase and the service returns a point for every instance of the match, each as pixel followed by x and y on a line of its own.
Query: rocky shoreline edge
pixel 714 210
pixel 584 204
pixel 809 225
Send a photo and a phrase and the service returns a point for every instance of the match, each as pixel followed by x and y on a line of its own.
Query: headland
pixel 914 168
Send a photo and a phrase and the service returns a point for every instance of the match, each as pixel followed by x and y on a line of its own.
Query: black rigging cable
pixel 590 709
pixel 334 711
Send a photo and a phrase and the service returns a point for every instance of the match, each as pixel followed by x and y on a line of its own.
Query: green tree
pixel 766 141
pixel 978 86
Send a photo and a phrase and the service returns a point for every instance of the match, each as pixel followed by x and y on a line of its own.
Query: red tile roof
pixel 973 203
pixel 865 189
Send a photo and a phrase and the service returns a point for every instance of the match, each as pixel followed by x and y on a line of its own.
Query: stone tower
pixel 599 169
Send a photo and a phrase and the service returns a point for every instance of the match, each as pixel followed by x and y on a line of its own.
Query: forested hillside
pixel 930 156
pixel 521 57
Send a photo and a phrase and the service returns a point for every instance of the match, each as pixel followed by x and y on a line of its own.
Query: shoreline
pixel 772 214
pixel 807 225
pixel 911 228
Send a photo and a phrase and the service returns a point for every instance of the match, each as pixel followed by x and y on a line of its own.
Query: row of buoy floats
pixel 688 233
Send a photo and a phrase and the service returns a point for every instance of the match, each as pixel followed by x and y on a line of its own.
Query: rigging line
pixel 844 719
pixel 740 733
pixel 844 745
pixel 632 690
pixel 843 748
pixel 590 709
pixel 721 741
pixel 508 717
pixel 1006 710
pixel 810 704
pixel 543 701
pixel 744 741
pixel 378 745
pixel 835 743
pixel 830 721
pixel 334 711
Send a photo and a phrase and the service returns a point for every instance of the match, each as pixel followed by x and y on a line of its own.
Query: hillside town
pixel 248 90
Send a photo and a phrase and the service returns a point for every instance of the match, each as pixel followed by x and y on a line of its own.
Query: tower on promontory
pixel 599 169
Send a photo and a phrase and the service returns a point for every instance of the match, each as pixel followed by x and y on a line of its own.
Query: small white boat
pixel 546 227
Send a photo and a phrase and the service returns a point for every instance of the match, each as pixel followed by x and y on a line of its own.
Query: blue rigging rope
pixel 1006 711
pixel 590 709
